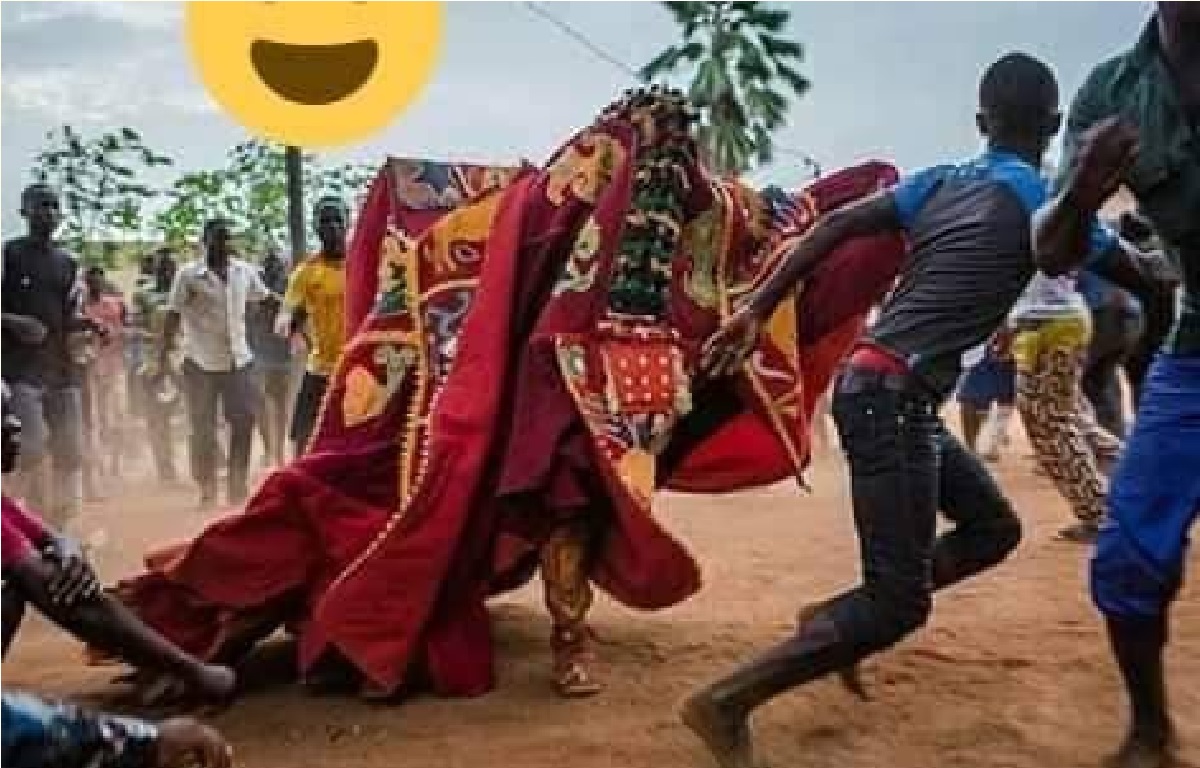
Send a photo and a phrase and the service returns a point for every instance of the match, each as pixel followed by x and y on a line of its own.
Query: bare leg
pixel 972 423
pixel 996 435
pixel 568 596
pixel 1138 645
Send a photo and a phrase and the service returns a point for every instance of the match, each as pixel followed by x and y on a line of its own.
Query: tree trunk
pixel 294 163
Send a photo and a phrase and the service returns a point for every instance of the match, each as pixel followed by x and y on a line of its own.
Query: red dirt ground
pixel 1012 672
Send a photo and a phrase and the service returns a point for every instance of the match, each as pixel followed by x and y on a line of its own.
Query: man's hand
pixel 297 344
pixel 1105 154
pixel 1158 267
pixel 183 741
pixel 73 580
pixel 727 349
pixel 28 330
pixel 1001 343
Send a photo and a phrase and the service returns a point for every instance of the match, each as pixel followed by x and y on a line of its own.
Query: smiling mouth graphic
pixel 314 75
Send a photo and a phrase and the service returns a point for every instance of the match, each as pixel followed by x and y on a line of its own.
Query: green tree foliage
pixel 106 194
pixel 102 183
pixel 194 198
pixel 252 191
pixel 743 74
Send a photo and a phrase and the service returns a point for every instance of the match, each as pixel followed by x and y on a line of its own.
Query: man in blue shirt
pixel 970 258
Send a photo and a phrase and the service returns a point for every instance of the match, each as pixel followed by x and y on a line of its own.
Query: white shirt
pixel 1046 298
pixel 213 313
pixel 974 356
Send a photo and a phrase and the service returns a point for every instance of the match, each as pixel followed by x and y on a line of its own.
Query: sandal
pixel 572 679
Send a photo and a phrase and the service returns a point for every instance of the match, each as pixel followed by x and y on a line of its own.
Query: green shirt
pixel 1166 177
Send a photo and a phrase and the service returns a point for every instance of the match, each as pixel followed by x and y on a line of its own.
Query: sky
pixel 894 81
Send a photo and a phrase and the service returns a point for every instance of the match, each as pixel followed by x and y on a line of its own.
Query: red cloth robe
pixel 475 402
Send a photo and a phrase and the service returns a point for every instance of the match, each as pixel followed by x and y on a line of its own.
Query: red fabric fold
pixel 394 583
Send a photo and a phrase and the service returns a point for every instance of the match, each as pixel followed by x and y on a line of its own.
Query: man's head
pixel 146 264
pixel 95 281
pixel 1179 14
pixel 40 208
pixel 217 239
pixel 329 220
pixel 272 262
pixel 11 435
pixel 1018 105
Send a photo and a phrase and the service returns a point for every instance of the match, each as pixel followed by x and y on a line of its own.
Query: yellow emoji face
pixel 314 73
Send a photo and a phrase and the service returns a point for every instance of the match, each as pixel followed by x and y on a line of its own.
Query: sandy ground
pixel 1012 671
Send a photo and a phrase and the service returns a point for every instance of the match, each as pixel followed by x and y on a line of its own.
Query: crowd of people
pixel 981 264
pixel 216 339
pixel 81 365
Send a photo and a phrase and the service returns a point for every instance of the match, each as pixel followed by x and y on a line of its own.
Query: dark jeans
pixel 238 396
pixel 307 409
pixel 904 467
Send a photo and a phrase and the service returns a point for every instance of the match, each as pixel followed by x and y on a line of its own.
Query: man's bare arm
pixel 1062 228
pixel 726 350
pixel 868 216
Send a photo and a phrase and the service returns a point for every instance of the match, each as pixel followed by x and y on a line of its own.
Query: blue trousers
pixel 1154 497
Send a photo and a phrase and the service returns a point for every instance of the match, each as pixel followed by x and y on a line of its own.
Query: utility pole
pixel 294 164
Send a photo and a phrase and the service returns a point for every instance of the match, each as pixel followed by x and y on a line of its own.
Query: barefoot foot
pixel 1138 752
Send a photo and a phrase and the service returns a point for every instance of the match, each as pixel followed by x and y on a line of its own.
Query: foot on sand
pixel 726 736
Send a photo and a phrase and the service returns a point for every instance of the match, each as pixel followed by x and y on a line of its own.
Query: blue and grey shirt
pixel 970 257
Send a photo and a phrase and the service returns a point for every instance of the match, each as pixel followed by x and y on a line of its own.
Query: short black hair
pixel 331 201
pixel 1017 92
pixel 213 223
pixel 38 189
pixel 94 270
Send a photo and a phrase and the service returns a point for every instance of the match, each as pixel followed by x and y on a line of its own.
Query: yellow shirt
pixel 318 287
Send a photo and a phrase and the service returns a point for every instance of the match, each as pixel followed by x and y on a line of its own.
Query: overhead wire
pixel 603 55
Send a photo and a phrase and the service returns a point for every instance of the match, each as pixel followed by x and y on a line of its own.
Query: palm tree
pixel 744 73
